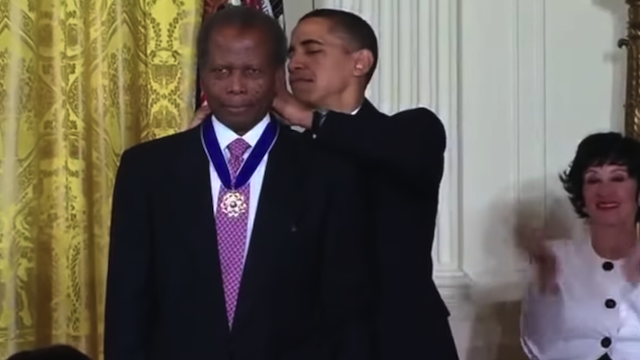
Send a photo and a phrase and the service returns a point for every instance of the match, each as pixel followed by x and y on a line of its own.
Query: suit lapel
pixel 198 209
pixel 278 210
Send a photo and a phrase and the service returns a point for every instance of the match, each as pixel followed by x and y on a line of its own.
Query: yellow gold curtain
pixel 80 81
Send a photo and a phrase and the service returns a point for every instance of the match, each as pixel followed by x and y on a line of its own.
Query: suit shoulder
pixel 168 145
pixel 423 120
pixel 420 114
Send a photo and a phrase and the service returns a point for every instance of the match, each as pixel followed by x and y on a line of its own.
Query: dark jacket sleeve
pixel 347 277
pixel 345 332
pixel 409 145
pixel 128 296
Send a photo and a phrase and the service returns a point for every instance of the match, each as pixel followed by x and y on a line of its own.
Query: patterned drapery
pixel 80 81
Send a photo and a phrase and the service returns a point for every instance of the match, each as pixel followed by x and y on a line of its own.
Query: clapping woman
pixel 589 305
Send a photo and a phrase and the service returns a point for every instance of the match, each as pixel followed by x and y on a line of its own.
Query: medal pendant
pixel 233 204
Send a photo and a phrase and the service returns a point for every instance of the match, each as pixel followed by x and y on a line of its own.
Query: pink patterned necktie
pixel 232 216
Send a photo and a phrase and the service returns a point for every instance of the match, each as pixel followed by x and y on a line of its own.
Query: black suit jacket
pixel 304 289
pixel 402 157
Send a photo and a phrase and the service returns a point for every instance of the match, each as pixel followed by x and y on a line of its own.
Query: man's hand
pixel 199 116
pixel 292 111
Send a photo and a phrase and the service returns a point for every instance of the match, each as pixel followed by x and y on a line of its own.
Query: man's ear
pixel 363 62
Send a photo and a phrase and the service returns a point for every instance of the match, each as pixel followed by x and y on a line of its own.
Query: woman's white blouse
pixel 595 312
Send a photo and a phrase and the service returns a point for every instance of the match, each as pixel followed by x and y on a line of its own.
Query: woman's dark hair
pixel 55 352
pixel 610 148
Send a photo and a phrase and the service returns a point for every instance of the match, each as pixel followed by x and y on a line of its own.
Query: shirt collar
pixel 226 136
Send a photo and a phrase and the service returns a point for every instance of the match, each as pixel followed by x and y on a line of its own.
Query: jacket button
pixel 610 303
pixel 605 342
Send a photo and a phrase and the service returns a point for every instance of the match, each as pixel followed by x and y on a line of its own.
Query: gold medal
pixel 233 204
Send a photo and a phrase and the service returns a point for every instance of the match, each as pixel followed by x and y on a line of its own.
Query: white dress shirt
pixel 225 137
pixel 595 311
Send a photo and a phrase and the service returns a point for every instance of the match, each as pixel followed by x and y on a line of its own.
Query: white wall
pixel 517 84
pixel 293 10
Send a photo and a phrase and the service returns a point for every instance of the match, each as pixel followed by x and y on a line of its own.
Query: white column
pixel 418 66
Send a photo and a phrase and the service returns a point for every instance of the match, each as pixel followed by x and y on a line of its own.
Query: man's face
pixel 239 77
pixel 321 64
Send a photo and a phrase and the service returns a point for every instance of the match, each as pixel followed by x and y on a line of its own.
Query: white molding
pixel 418 66
pixel 529 108
pixel 454 287
pixel 447 255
